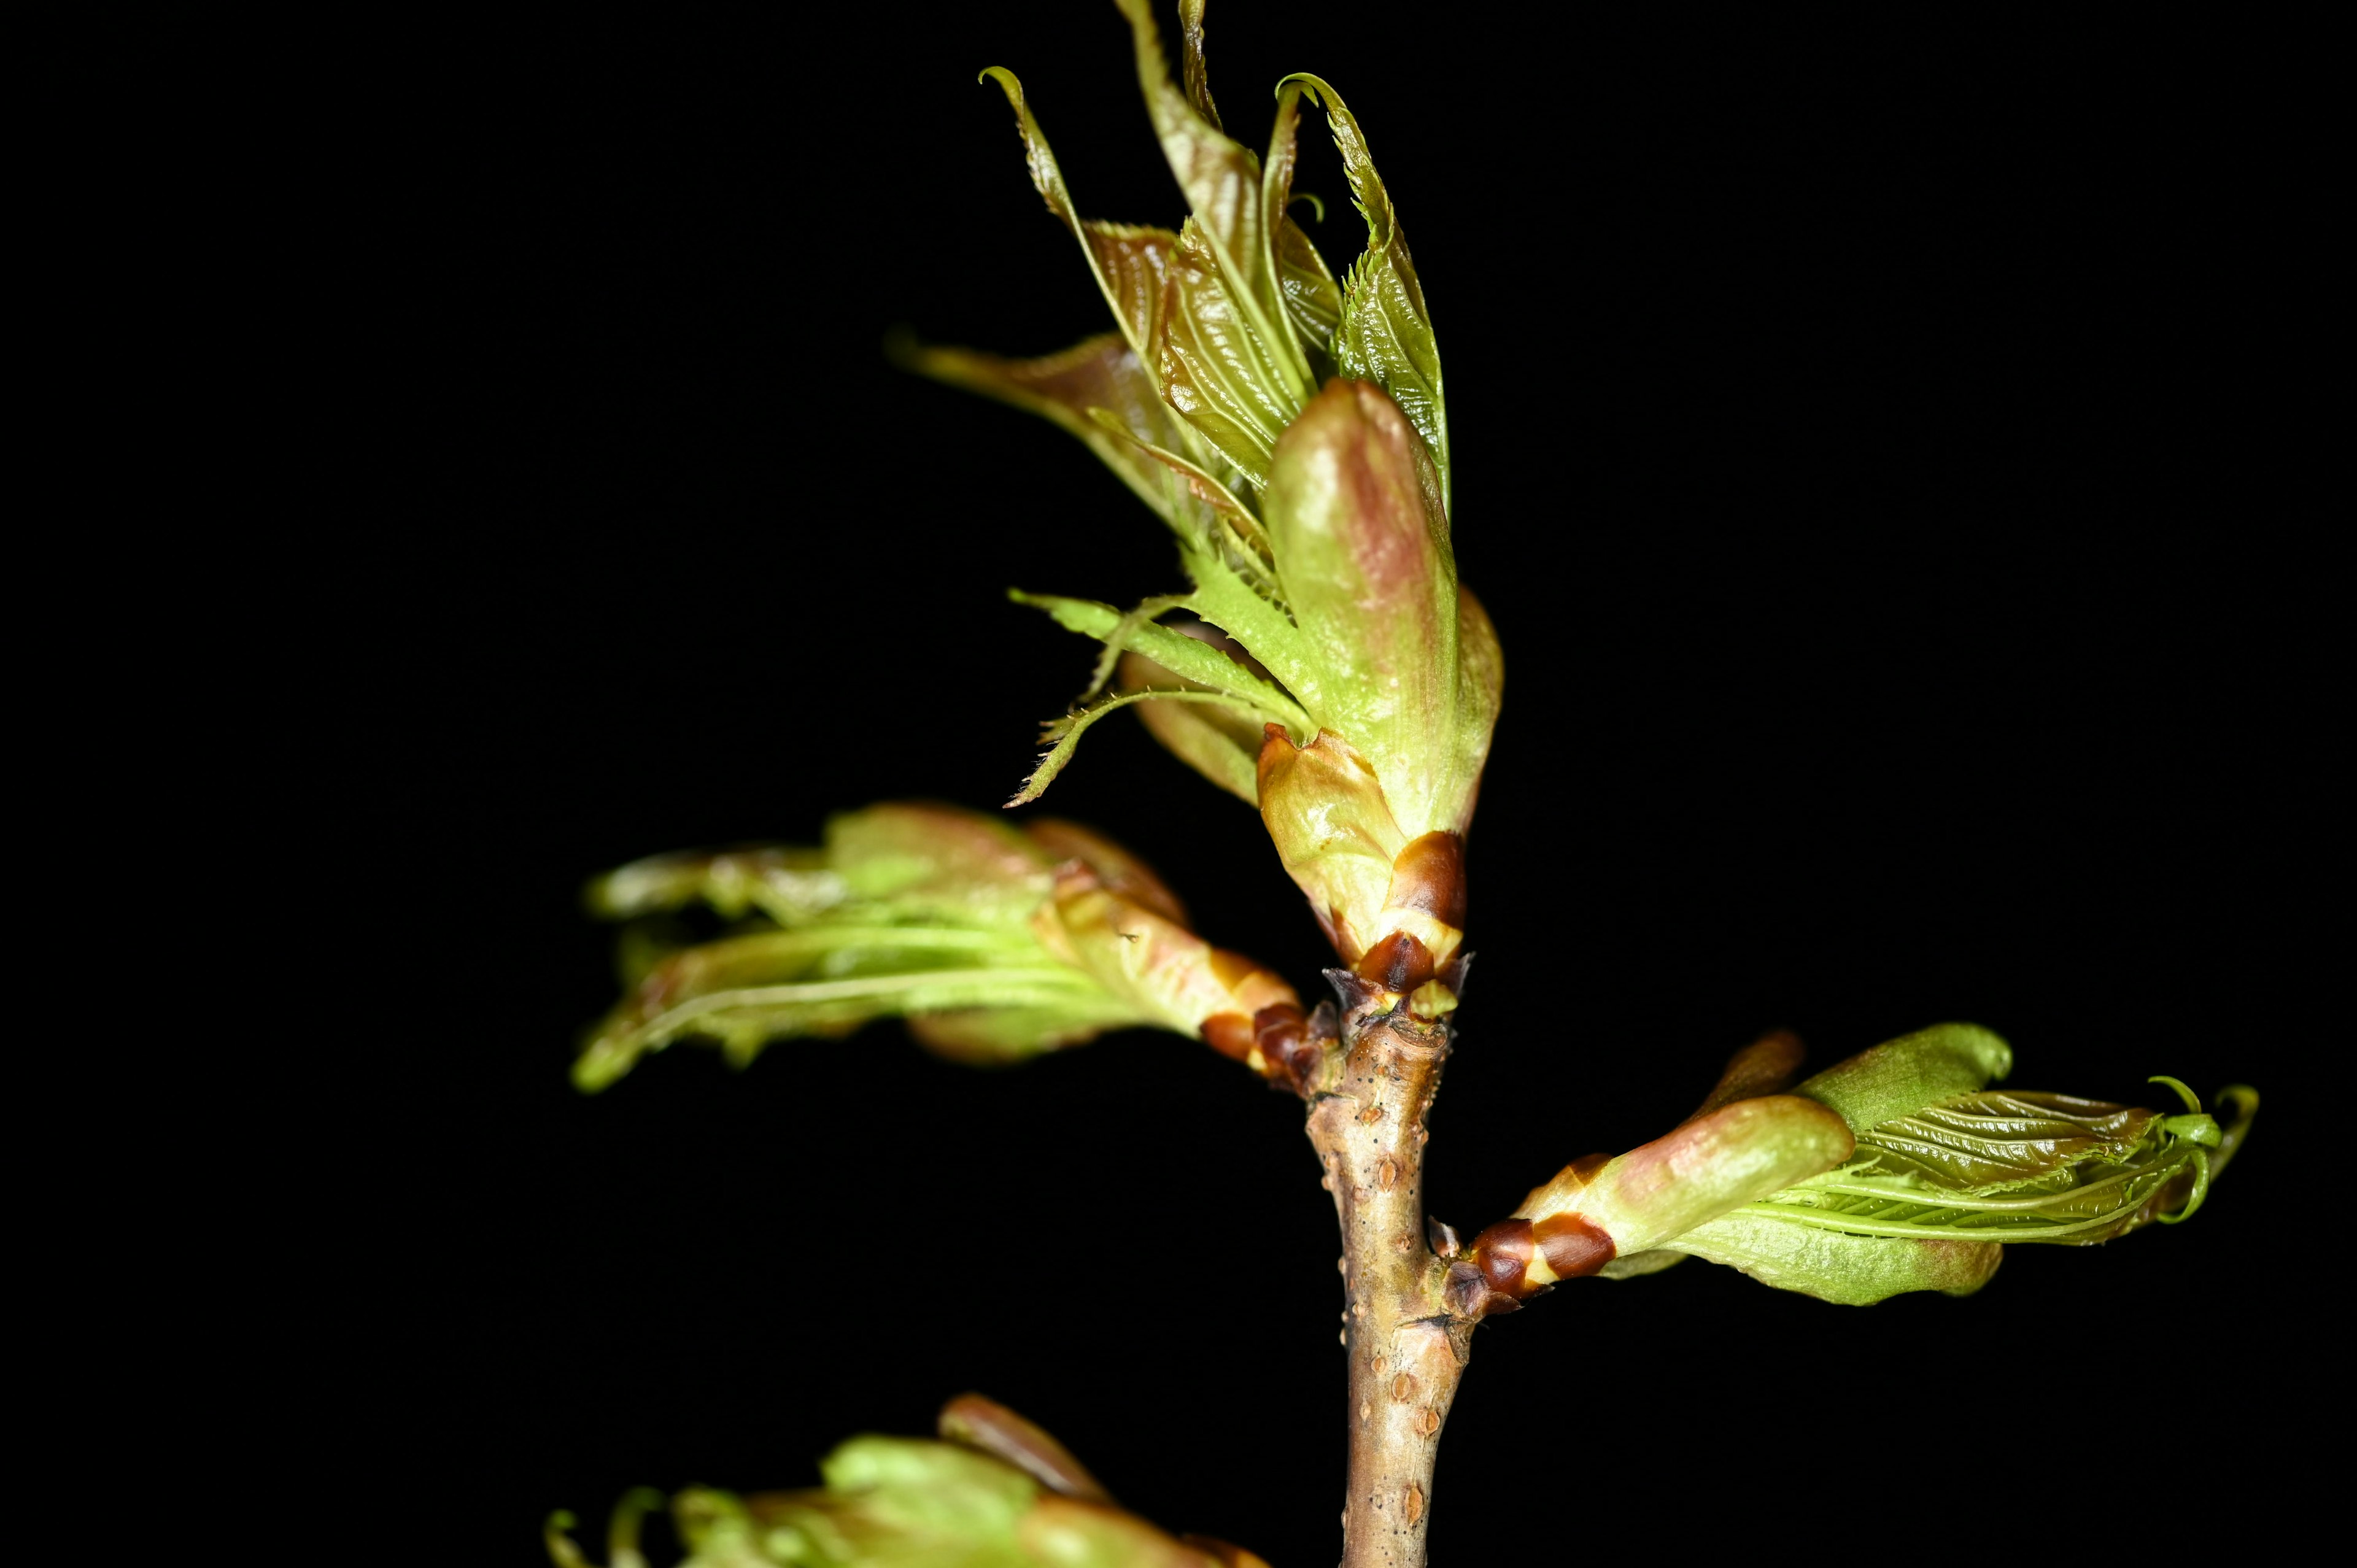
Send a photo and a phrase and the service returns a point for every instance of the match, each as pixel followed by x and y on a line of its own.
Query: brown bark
pixel 1406 1351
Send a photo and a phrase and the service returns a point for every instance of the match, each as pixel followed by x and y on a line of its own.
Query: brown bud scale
pixel 1230 1034
pixel 1285 1039
pixel 1502 1253
pixel 1572 1247
pixel 1429 874
pixel 1399 963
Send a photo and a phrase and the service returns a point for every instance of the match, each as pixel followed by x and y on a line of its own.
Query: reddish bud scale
pixel 1496 1274
pixel 1288 1046
pixel 1230 1034
pixel 1502 1253
pixel 1398 963
pixel 1279 1041
pixel 1427 885
pixel 1572 1247
pixel 1233 1033
pixel 1429 874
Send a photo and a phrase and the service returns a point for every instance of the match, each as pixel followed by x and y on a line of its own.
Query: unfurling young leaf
pixel 1944 1173
pixel 995 1492
pixel 1313 524
pixel 994 942
pixel 1385 333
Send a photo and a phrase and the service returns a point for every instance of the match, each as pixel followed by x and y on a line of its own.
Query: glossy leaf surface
pixel 2008 1167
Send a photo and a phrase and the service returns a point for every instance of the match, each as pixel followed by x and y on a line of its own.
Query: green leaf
pixel 1221 744
pixel 1901 1076
pixel 1637 1265
pixel 1181 655
pixel 1064 734
pixel 911 910
pixel 893 1502
pixel 1199 84
pixel 1998 1141
pixel 2008 1167
pixel 1929 1199
pixel 790 885
pixel 1386 334
pixel 1313 300
pixel 1228 599
pixel 1118 641
pixel 1221 180
pixel 1184 309
pixel 1851 1271
pixel 938 865
pixel 745 991
pixel 923 1486
pixel 721 1533
pixel 1313 304
pixel 1128 262
pixel 1213 364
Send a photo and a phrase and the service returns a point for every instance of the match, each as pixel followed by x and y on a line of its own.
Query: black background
pixel 1877 446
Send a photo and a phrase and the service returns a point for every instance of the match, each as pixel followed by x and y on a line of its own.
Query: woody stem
pixel 1406 1351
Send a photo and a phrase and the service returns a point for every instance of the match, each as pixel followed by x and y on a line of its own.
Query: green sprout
pixel 1325 665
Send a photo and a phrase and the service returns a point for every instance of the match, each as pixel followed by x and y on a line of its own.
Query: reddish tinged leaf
pixel 986 1424
pixel 1764 1067
pixel 1996 1141
pixel 1128 260
pixel 1313 302
pixel 1385 335
pixel 1122 873
pixel 1210 363
pixel 1221 180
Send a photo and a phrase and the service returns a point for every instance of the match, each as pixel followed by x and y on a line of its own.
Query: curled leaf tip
pixel 2192 1100
pixel 2201 1190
